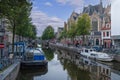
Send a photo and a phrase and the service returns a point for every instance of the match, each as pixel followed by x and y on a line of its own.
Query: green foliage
pixel 17 12
pixel 49 53
pixel 75 72
pixel 63 34
pixel 72 31
pixel 48 33
pixel 83 25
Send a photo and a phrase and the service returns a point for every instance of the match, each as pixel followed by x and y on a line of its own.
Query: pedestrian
pixel 77 44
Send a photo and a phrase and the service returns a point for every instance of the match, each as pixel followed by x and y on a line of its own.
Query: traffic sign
pixel 2 46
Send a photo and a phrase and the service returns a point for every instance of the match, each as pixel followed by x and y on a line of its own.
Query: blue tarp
pixel 39 57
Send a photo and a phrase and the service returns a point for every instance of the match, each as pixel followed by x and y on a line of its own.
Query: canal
pixel 63 65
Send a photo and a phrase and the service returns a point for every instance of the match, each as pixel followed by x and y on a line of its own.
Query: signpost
pixel 19 48
pixel 2 46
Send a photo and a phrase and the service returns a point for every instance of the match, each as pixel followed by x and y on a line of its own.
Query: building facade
pixel 58 34
pixel 73 19
pixel 96 15
pixel 106 28
pixel 100 18
pixel 3 39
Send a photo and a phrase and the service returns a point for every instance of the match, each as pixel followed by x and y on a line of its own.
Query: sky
pixel 56 12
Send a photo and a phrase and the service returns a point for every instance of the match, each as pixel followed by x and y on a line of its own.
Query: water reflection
pixel 55 71
pixel 80 68
pixel 49 53
pixel 70 66
pixel 29 74
pixel 74 72
pixel 68 61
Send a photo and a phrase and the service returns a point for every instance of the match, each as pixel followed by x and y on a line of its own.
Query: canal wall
pixel 65 47
pixel 11 72
pixel 77 50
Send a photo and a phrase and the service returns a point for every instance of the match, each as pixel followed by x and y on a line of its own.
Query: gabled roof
pixel 91 9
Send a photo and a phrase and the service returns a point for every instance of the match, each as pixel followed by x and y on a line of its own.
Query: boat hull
pixel 104 59
pixel 33 64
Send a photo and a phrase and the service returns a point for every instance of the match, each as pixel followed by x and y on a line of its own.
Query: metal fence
pixel 4 63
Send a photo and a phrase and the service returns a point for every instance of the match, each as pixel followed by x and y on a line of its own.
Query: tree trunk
pixel 13 38
pixel 19 38
pixel 72 40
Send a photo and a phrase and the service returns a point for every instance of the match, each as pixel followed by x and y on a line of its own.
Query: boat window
pixel 93 54
pixel 91 50
pixel 86 62
pixel 86 50
pixel 37 54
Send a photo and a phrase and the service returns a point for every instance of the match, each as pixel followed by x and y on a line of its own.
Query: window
pixel 94 24
pixel 103 34
pixel 107 25
pixel 107 34
pixel 86 50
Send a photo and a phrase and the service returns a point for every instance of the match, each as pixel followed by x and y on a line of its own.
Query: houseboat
pixel 34 58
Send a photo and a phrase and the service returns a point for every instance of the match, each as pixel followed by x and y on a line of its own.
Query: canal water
pixel 63 65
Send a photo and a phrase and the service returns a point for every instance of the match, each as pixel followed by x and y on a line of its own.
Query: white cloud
pixel 62 1
pixel 71 2
pixel 78 4
pixel 42 20
pixel 48 4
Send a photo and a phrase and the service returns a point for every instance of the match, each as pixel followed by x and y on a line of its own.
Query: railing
pixel 4 63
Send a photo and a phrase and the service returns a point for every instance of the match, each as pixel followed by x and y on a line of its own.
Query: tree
pixel 24 22
pixel 63 34
pixel 12 10
pixel 48 33
pixel 83 26
pixel 72 31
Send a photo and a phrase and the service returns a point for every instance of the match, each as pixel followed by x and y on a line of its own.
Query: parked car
pixel 97 48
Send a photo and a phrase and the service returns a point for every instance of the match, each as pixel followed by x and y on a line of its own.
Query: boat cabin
pixel 33 55
pixel 87 50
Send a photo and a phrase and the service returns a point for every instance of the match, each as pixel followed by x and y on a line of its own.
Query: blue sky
pixel 55 12
pixel 53 8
